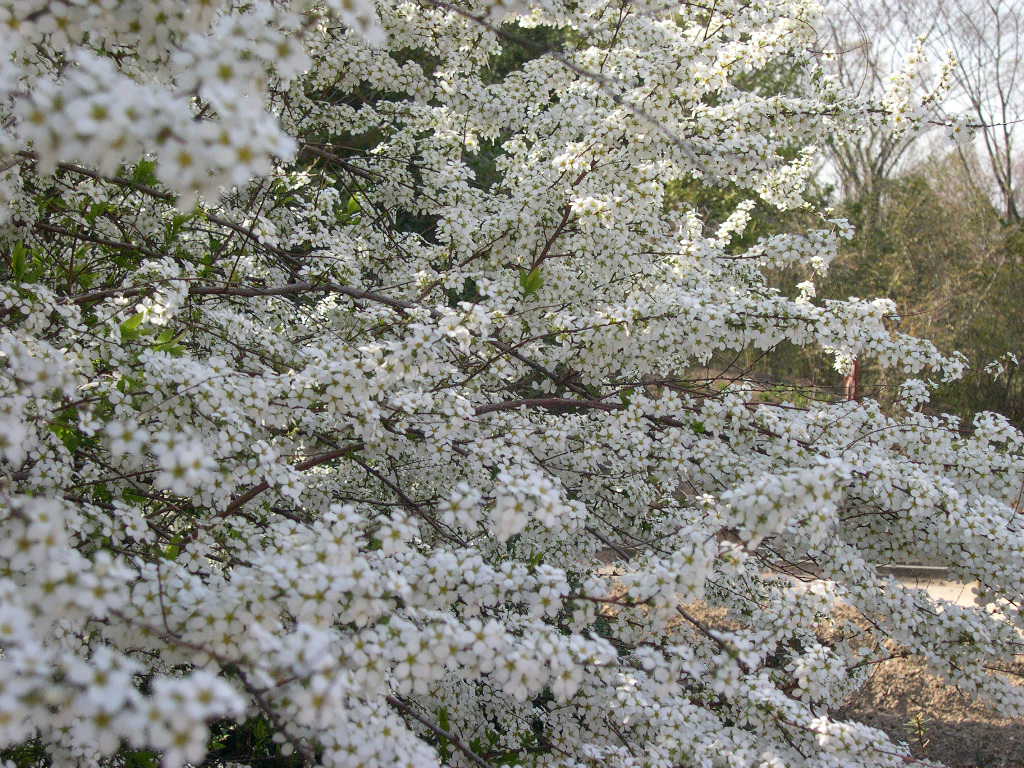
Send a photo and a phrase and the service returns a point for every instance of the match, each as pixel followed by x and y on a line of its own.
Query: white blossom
pixel 354 395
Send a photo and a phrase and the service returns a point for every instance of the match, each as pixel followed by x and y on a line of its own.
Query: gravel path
pixel 933 580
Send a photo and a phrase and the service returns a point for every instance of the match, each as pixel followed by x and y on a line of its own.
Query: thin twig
pixel 302 466
pixel 437 730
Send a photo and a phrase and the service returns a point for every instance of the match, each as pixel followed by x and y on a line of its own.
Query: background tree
pixel 987 39
pixel 867 46
pixel 940 241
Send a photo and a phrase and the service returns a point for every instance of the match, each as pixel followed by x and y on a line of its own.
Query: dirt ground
pixel 938 722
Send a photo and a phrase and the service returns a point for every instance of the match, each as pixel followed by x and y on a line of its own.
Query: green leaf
pixel 142 758
pixel 531 281
pixel 71 437
pixel 102 492
pixel 350 213
pixel 34 273
pixel 442 743
pixel 177 224
pixel 164 336
pixel 145 173
pixel 130 327
pixel 129 383
pixel 173 549
pixel 18 263
pixel 470 292
pixel 95 211
pixel 65 426
pixel 87 279
pixel 167 341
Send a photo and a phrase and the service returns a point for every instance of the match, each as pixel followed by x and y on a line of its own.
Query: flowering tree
pixel 347 405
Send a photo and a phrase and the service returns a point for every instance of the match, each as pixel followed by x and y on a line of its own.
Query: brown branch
pixel 549 243
pixel 411 505
pixel 315 149
pixel 97 239
pixel 302 466
pixel 547 403
pixel 250 235
pixel 437 730
pixel 727 647
pixel 289 289
pixel 119 180
pixel 510 350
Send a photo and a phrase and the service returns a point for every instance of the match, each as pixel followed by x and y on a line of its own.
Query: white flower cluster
pixel 426 447
pixel 190 84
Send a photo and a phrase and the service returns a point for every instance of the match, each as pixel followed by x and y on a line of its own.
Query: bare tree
pixel 985 37
pixel 867 49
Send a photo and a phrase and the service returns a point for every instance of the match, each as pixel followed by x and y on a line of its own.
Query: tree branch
pixel 437 730
pixel 313 461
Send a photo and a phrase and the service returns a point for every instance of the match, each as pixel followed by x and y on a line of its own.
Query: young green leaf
pixel 531 281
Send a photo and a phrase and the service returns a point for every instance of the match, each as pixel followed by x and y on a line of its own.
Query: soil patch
pixel 913 705
pixel 939 722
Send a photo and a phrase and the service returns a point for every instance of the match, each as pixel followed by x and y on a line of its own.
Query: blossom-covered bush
pixel 352 408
